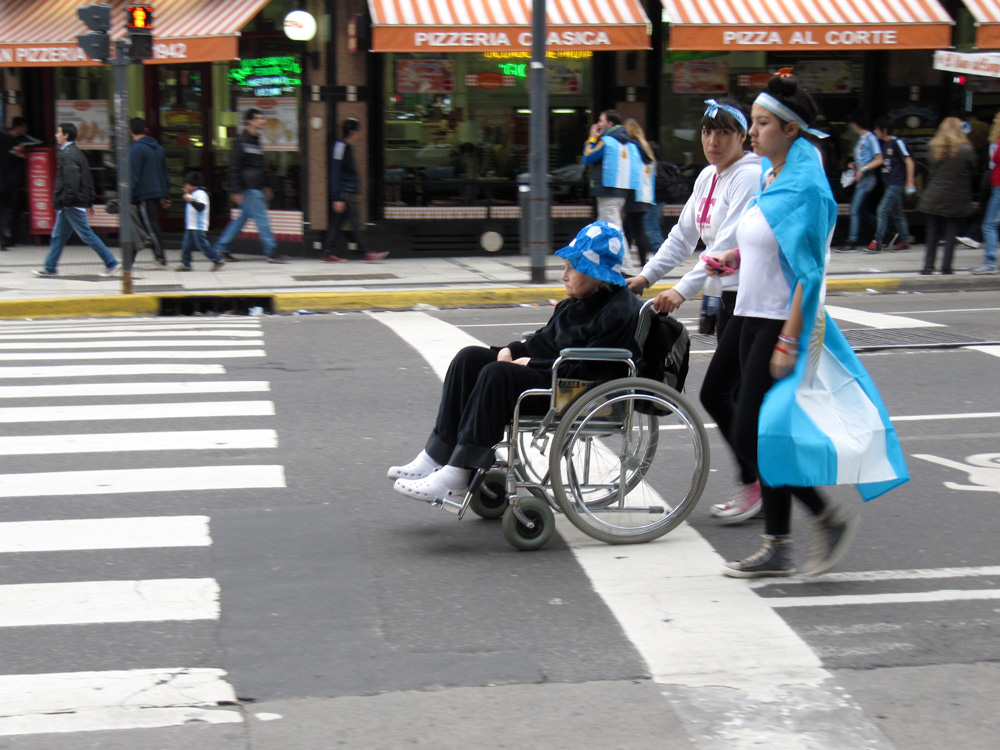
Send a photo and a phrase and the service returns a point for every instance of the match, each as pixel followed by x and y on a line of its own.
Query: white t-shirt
pixel 193 218
pixel 713 222
pixel 764 291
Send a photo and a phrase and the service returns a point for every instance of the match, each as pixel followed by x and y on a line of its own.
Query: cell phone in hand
pixel 716 266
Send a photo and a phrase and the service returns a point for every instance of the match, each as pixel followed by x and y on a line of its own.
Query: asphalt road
pixel 267 589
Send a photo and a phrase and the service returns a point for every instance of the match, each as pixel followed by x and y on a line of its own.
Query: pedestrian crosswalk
pixel 168 370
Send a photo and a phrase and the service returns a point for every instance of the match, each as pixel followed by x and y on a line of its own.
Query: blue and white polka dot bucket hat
pixel 598 250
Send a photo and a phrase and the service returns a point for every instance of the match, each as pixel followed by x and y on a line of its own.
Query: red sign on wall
pixel 41 179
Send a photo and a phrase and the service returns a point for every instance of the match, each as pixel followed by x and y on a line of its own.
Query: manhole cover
pixel 862 339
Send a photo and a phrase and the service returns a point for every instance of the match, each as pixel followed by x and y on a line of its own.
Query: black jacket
pixel 343 173
pixel 949 188
pixel 248 164
pixel 11 166
pixel 74 184
pixel 148 168
pixel 607 318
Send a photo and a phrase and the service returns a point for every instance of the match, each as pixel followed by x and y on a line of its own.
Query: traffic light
pixel 139 24
pixel 97 44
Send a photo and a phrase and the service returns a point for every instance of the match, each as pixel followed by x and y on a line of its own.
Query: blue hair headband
pixel 770 103
pixel 714 107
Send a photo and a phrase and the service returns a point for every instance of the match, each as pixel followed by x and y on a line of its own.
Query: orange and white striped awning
pixel 43 32
pixel 808 25
pixel 987 15
pixel 498 25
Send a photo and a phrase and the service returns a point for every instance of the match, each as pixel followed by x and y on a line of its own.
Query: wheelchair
pixel 624 460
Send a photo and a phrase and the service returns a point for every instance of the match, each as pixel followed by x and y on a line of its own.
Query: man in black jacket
pixel 345 187
pixel 12 166
pixel 73 200
pixel 249 189
pixel 150 184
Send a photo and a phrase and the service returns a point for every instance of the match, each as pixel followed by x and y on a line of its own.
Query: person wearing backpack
pixel 897 172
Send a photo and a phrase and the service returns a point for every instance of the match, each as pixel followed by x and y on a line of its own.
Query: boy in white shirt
pixel 196 214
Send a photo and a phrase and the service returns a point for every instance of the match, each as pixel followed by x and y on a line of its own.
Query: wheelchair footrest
pixel 449 505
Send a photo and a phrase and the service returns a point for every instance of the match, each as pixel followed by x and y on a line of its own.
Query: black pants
pixel 477 402
pixel 149 217
pixel 635 232
pixel 11 205
pixel 352 213
pixel 941 227
pixel 754 340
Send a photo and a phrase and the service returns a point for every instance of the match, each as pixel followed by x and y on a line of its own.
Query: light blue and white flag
pixel 616 164
pixel 643 177
pixel 825 423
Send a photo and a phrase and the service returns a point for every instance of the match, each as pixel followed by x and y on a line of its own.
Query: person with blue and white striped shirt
pixel 196 214
pixel 867 159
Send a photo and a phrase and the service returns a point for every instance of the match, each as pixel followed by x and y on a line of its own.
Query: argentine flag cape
pixel 622 167
pixel 825 423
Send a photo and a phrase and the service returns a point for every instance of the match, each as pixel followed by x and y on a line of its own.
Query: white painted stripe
pixel 105 533
pixel 933 417
pixel 954 595
pixel 144 354
pixel 101 371
pixel 117 442
pixel 913 574
pixel 667 595
pixel 132 699
pixel 992 350
pixel 236 333
pixel 133 389
pixel 19 414
pixel 46 345
pixel 434 339
pixel 119 481
pixel 72 328
pixel 89 602
pixel 877 320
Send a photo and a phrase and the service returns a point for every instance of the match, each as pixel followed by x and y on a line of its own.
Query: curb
pixel 149 304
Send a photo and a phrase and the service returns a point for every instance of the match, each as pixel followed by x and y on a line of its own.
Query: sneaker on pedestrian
pixel 334 259
pixel 278 259
pixel 182 268
pixel 161 262
pixel 969 242
pixel 773 559
pixel 113 271
pixel 229 256
pixel 745 504
pixel 984 269
pixel 44 273
pixel 901 246
pixel 847 247
pixel 873 247
pixel 372 257
pixel 833 532
pixel 218 264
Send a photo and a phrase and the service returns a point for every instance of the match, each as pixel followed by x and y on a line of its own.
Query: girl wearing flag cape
pixel 807 414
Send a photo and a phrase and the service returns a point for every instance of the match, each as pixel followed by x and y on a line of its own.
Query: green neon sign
pixel 519 70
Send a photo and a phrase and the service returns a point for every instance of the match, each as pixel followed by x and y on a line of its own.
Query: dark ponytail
pixel 789 90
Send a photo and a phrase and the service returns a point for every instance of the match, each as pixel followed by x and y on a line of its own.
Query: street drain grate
pixel 868 339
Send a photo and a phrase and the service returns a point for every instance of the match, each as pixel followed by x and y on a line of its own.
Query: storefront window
pixel 456 126
pixel 83 97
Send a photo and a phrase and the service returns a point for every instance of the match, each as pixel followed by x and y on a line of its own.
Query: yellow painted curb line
pixel 406 299
pixel 70 307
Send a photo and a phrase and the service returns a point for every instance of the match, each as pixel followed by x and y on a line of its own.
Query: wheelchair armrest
pixel 596 353
pixel 527 335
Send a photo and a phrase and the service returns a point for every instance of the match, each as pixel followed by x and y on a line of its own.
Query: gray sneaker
pixel 984 269
pixel 833 532
pixel 44 273
pixel 773 559
pixel 969 242
pixel 113 271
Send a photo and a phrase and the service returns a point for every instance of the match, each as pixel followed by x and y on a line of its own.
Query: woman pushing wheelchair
pixel 483 384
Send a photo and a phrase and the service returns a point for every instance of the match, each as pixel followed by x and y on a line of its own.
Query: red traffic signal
pixel 139 17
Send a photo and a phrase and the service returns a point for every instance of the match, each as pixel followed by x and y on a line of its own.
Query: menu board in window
pixel 281 121
pixel 425 76
pixel 92 119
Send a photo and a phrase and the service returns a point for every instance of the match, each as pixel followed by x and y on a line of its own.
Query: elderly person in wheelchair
pixel 483 384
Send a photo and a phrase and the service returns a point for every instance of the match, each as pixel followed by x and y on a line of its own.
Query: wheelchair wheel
pixel 629 462
pixel 484 506
pixel 540 514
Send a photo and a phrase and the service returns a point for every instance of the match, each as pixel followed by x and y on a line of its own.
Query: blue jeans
pixel 991 227
pixel 254 207
pixel 195 239
pixel 859 206
pixel 652 226
pixel 69 220
pixel 891 205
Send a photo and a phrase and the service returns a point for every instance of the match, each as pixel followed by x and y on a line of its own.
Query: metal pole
pixel 122 142
pixel 538 151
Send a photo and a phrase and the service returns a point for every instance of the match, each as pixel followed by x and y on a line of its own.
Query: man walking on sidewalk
pixel 345 189
pixel 249 189
pixel 12 181
pixel 867 159
pixel 150 184
pixel 73 200
pixel 898 171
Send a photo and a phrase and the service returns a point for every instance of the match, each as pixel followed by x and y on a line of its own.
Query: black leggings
pixel 753 340
pixel 635 232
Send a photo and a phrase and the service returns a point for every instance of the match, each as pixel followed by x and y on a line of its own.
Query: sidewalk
pixel 311 285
